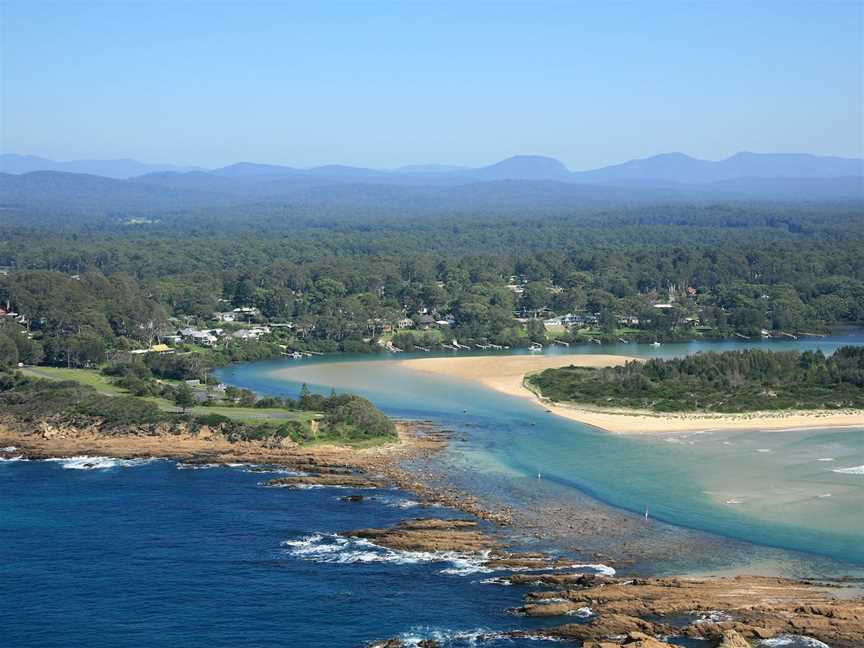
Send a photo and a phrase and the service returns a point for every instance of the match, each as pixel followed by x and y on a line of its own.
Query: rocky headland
pixel 596 610
pixel 601 611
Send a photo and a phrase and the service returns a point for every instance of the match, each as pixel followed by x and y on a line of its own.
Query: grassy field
pixel 89 377
pixel 103 385
pixel 250 414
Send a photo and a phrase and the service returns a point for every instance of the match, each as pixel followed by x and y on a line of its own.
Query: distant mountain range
pixel 664 169
pixel 18 164
pixel 520 182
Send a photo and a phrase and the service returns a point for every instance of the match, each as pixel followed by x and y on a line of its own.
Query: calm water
pixel 779 489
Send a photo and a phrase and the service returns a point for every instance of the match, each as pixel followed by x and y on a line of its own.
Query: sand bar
pixel 506 374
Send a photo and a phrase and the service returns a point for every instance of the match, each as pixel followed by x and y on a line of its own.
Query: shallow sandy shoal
pixel 506 374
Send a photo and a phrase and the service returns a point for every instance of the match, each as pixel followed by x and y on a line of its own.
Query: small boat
pixel 655 344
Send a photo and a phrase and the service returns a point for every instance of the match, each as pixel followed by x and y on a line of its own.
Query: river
pixel 790 490
pixel 133 553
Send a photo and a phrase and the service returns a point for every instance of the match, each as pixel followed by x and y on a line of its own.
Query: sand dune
pixel 506 374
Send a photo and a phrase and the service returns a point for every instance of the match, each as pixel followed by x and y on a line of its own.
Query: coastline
pixel 506 374
pixel 758 606
pixel 376 465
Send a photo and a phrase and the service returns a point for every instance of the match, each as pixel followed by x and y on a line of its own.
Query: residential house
pixel 250 334
pixel 425 322
pixel 194 336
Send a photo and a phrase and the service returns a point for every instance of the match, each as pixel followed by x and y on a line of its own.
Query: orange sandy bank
pixel 506 374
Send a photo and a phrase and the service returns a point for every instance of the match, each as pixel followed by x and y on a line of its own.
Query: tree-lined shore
pixel 728 382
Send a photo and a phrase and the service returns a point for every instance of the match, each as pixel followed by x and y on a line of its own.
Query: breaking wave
pixel 192 466
pixel 711 616
pixel 459 638
pixel 11 459
pixel 86 462
pixel 597 568
pixel 792 641
pixel 497 580
pixel 854 470
pixel 403 503
pixel 333 548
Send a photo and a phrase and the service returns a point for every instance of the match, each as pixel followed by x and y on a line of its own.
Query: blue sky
pixel 385 84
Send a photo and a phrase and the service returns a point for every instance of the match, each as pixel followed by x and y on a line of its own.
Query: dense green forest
pixel 731 381
pixel 82 288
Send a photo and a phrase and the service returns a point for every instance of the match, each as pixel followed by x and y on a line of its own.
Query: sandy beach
pixel 506 374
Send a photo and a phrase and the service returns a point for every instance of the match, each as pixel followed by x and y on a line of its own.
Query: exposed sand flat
pixel 506 374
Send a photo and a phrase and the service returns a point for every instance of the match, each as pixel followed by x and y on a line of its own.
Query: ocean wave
pixel 320 486
pixel 246 467
pixel 459 638
pixel 597 568
pixel 272 470
pixel 334 548
pixel 792 641
pixel 826 459
pixel 711 616
pixel 402 503
pixel 345 550
pixel 13 459
pixel 854 470
pixel 496 580
pixel 193 466
pixel 86 462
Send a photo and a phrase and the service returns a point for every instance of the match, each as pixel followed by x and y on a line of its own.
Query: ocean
pixel 101 552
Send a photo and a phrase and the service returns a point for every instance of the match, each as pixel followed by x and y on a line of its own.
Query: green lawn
pixel 90 377
pixel 251 414
pixel 103 385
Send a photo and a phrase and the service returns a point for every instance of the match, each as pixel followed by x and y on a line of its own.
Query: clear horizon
pixel 383 85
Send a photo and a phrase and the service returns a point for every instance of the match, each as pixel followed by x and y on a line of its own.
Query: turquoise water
pixel 150 553
pixel 778 489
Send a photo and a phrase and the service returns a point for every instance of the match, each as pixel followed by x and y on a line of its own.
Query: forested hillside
pixel 78 289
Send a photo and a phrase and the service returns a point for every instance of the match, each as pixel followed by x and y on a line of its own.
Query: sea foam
pixel 854 470
pixel 711 616
pixel 334 548
pixel 86 462
pixel 792 641
pixel 458 638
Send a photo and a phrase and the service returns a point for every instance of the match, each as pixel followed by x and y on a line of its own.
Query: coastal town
pixel 382 324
